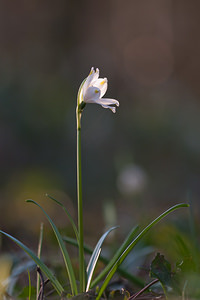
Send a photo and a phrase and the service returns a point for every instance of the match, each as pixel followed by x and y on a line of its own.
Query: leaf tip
pixel 30 201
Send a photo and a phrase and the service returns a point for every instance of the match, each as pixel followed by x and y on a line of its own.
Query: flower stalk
pixel 80 202
pixel 91 90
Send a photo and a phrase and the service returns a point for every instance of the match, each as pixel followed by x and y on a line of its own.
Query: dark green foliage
pixel 25 293
pixel 119 295
pixel 161 269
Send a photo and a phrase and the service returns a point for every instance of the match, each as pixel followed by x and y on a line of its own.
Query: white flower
pixel 94 88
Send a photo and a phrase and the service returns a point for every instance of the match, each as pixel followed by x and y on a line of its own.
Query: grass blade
pixel 139 282
pixel 68 214
pixel 65 254
pixel 29 286
pixel 58 287
pixel 94 258
pixel 108 267
pixel 39 255
pixel 133 243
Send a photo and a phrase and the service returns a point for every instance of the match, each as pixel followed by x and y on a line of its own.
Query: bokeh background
pixel 135 163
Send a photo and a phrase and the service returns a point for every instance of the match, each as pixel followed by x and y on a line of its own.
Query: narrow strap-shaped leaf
pixel 139 282
pixel 121 249
pixel 58 287
pixel 65 254
pixel 39 255
pixel 29 286
pixel 132 244
pixel 92 268
pixel 94 258
pixel 68 214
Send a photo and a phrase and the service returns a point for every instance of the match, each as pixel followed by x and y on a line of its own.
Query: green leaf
pixel 161 269
pixel 29 281
pixel 94 258
pixel 112 261
pixel 119 295
pixel 39 255
pixel 25 293
pixel 106 261
pixel 65 254
pixel 68 214
pixel 132 245
pixel 42 266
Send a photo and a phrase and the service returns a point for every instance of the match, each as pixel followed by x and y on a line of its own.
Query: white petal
pixel 92 95
pixel 113 108
pixel 96 76
pixel 107 101
pixel 92 77
pixel 88 80
pixel 102 84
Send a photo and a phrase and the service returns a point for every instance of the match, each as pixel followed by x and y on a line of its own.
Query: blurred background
pixel 135 163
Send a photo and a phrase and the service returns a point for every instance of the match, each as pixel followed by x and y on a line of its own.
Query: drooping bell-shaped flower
pixel 94 88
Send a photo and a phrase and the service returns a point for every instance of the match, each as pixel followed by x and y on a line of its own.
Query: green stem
pixel 80 204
